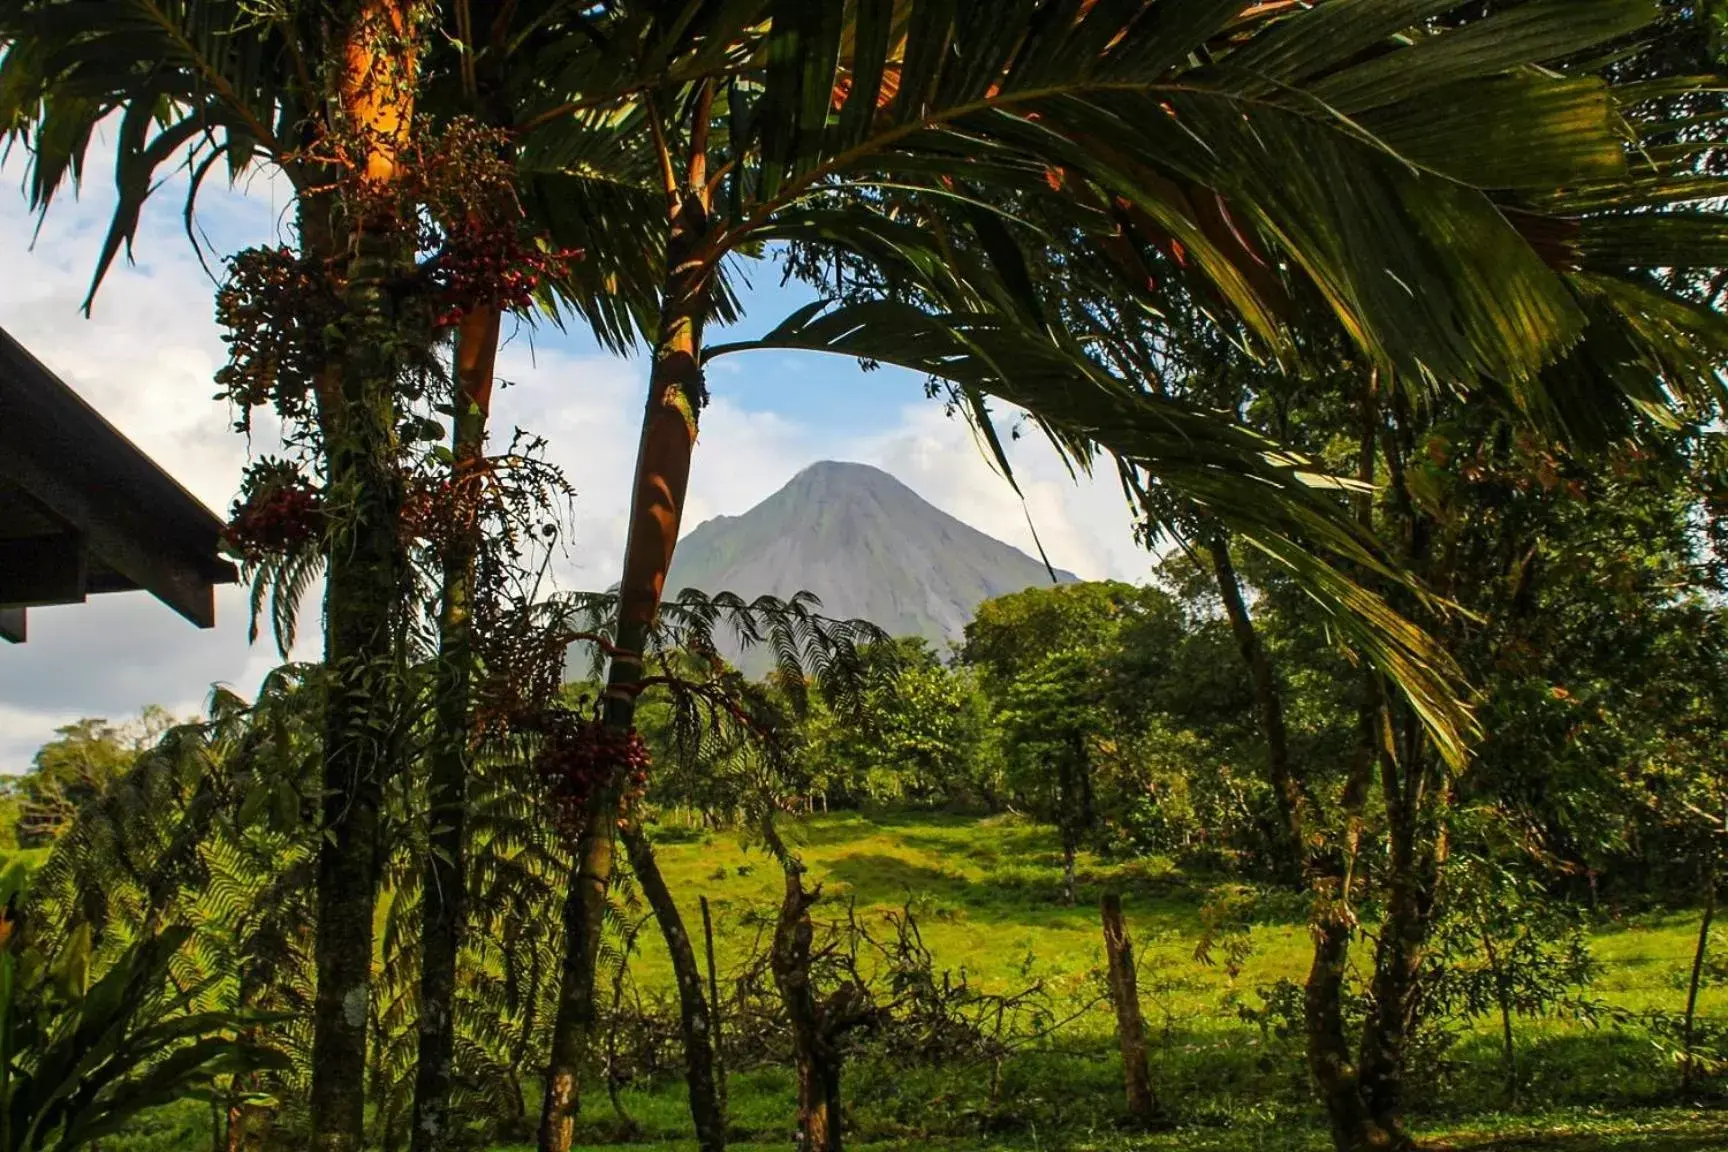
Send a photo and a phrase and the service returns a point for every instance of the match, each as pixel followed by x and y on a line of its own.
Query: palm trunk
pixel 695 1022
pixel 365 578
pixel 675 397
pixel 676 393
pixel 443 897
pixel 574 1026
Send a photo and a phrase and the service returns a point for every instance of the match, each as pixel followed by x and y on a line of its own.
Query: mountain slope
pixel 867 544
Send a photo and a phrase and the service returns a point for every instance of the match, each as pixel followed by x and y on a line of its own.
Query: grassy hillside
pixel 983 893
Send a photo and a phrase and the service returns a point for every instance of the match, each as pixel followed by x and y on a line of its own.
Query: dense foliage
pixel 1396 318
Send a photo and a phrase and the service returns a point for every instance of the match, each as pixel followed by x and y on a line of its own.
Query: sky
pixel 146 357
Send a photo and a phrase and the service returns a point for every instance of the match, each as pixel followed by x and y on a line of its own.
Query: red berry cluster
pixel 274 308
pixel 427 508
pixel 278 512
pixel 579 755
pixel 496 266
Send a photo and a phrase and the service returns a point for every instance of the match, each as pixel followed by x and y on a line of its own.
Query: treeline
pixel 1215 717
pixel 1262 260
pixel 1591 626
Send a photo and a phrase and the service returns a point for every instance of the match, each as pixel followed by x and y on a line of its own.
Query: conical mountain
pixel 865 543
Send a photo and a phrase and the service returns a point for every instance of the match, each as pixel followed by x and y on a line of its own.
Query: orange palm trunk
pixel 657 506
pixel 669 422
pixel 380 70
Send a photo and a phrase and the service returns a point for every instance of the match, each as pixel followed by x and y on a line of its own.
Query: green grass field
pixel 984 896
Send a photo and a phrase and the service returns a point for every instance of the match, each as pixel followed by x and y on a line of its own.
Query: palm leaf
pixel 1283 505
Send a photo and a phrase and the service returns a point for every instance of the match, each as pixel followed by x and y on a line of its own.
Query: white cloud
pixel 1084 524
pixel 146 360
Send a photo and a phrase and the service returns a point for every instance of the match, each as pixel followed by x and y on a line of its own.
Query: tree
pixel 1051 727
pixel 915 737
pixel 358 104
pixel 1048 660
pixel 1536 541
pixel 757 122
pixel 74 768
pixel 1011 633
pixel 838 120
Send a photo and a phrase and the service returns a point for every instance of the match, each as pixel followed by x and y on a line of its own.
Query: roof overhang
pixel 83 511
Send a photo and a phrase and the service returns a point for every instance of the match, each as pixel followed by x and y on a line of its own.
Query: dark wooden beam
pixel 126 543
pixel 43 570
pixel 70 470
pixel 12 625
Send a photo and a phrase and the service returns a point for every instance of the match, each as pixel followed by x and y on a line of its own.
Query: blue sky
pixel 146 357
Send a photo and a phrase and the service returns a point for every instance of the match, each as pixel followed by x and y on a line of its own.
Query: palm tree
pixel 1648 350
pixel 1235 140
pixel 1177 130
pixel 329 93
pixel 1228 138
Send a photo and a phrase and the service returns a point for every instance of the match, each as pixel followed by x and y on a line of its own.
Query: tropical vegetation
pixel 1398 320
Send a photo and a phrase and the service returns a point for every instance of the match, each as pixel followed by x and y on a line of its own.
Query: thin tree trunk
pixel 574 1025
pixel 1067 871
pixel 627 1123
pixel 525 1039
pixel 365 577
pixel 695 1021
pixel 1287 787
pixel 443 898
pixel 1503 996
pixel 817 1068
pixel 676 393
pixel 1386 1030
pixel 1688 1066
pixel 714 1006
pixel 247 1123
pixel 1328 868
pixel 1332 867
pixel 1125 996
pixel 1329 1057
pixel 1412 878
pixel 1074 787
pixel 1336 1073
